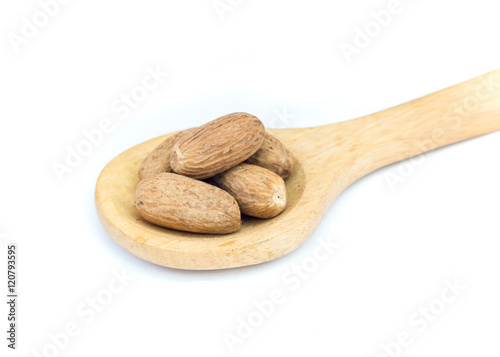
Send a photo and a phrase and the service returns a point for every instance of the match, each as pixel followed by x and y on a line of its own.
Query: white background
pixel 397 247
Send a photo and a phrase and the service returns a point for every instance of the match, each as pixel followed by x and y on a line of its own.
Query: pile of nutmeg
pixel 203 179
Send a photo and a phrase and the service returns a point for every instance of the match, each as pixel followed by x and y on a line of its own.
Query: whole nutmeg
pixel 274 156
pixel 217 146
pixel 178 202
pixel 258 191
pixel 159 159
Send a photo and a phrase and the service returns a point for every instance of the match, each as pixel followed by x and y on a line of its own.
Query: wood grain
pixel 328 160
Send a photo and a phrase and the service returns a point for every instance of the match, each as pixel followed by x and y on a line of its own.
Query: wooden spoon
pixel 329 159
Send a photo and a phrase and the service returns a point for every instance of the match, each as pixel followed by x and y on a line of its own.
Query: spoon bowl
pixel 328 160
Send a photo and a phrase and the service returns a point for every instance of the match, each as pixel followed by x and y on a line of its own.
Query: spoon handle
pixel 460 112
